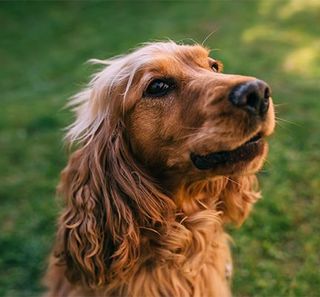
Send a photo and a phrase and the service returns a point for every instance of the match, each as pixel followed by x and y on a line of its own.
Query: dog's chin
pixel 246 158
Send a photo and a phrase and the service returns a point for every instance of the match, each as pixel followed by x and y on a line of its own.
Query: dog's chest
pixel 194 253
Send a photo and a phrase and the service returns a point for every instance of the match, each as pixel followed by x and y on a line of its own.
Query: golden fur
pixel 139 218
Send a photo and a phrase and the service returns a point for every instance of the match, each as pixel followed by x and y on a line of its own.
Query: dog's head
pixel 150 123
pixel 183 118
pixel 192 121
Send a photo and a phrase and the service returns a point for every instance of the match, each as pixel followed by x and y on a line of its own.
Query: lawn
pixel 43 47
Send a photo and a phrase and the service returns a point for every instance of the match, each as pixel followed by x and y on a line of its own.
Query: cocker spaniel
pixel 167 147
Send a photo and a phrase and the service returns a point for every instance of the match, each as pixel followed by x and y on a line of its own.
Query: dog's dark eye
pixel 215 66
pixel 159 88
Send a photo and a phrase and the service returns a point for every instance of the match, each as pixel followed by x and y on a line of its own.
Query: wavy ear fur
pixel 107 199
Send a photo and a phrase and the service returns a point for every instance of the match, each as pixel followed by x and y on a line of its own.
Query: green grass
pixel 42 53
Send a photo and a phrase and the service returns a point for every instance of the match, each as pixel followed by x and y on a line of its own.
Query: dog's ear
pixel 238 197
pixel 108 199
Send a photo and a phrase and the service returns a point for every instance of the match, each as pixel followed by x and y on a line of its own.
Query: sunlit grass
pixel 304 60
pixel 293 7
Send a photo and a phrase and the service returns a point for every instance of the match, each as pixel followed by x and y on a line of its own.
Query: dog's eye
pixel 215 66
pixel 159 88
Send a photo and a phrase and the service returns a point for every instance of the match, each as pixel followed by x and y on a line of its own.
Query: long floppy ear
pixel 108 198
pixel 238 197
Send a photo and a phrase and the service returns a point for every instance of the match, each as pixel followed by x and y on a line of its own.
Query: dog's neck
pixel 192 197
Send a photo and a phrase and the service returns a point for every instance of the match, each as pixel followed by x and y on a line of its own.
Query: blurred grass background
pixel 43 47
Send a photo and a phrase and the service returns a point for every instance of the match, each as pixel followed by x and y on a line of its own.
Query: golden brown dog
pixel 168 148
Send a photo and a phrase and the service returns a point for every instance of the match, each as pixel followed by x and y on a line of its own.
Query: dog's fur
pixel 139 218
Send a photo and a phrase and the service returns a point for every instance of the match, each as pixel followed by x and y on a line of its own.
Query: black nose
pixel 252 96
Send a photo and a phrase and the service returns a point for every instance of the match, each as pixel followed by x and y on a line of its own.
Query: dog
pixel 166 151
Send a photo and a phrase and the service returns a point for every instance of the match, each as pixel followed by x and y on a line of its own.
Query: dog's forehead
pixel 185 54
pixel 173 57
pixel 189 52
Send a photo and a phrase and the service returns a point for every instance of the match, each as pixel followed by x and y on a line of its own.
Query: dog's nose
pixel 252 96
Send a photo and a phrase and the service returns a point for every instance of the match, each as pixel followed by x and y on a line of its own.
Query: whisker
pixel 266 161
pixel 280 104
pixel 280 124
pixel 208 36
pixel 287 121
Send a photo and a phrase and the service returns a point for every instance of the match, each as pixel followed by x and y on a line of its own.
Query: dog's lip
pixel 245 152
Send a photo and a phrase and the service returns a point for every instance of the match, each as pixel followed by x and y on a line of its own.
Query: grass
pixel 43 50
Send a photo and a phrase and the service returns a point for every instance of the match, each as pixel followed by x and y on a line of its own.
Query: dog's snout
pixel 251 96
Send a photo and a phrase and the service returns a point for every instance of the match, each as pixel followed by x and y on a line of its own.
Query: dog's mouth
pixel 244 153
